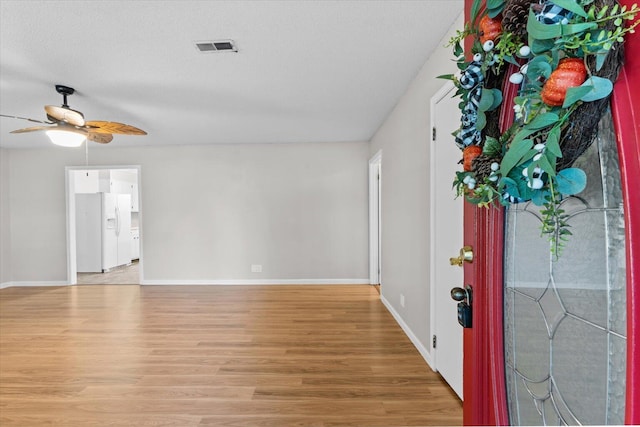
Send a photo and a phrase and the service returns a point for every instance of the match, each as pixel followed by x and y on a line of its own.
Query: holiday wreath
pixel 567 54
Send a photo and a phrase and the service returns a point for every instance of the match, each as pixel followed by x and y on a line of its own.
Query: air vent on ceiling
pixel 216 46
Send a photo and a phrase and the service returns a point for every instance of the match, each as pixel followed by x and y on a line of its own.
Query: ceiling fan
pixel 67 127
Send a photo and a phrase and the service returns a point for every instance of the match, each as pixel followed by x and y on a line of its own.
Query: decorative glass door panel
pixel 565 318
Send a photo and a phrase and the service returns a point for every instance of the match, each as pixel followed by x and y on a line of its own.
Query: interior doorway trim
pixel 375 219
pixel 72 268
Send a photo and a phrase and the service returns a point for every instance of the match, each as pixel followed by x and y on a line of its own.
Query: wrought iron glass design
pixel 565 320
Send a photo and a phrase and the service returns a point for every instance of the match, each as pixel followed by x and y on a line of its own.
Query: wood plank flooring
pixel 185 356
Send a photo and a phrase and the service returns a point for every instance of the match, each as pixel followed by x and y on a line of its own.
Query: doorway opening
pixel 104 225
pixel 375 219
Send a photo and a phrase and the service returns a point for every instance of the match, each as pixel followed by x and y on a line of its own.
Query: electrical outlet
pixel 256 268
pixel 402 300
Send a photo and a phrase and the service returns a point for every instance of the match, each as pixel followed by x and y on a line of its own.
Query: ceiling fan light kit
pixel 66 138
pixel 67 127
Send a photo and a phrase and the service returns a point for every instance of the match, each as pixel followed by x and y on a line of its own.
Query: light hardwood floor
pixel 211 356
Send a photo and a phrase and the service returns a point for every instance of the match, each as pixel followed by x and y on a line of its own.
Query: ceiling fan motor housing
pixel 64 91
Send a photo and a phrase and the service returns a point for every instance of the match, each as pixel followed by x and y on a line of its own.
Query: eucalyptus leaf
pixel 497 99
pixel 475 8
pixel 600 58
pixel 486 100
pixel 542 121
pixel 481 121
pixel 539 197
pixel 494 4
pixel 545 165
pixel 539 31
pixel 495 12
pixel 553 142
pixel 575 94
pixel 569 29
pixel 599 88
pixel 540 46
pixel 539 69
pixel 572 6
pixel 515 153
pixel 552 162
pixel 571 181
pixel 510 186
pixel 511 60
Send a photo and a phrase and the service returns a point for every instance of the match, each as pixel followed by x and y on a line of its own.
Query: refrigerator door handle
pixel 117 221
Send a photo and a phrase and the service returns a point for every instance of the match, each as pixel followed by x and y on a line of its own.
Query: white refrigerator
pixel 103 231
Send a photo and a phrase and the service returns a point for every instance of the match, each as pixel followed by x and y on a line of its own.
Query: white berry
pixel 488 45
pixel 536 184
pixel 539 147
pixel 524 68
pixel 525 51
pixel 495 166
pixel 516 78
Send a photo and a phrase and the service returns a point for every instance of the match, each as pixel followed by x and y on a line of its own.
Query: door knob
pixel 458 294
pixel 466 255
pixel 462 294
pixel 464 297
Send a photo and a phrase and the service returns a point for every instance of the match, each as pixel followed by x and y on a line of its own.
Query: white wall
pixel 5 225
pixel 209 212
pixel 404 140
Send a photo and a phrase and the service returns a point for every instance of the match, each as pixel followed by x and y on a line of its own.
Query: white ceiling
pixel 306 71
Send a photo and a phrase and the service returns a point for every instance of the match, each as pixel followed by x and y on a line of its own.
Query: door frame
pixel 72 268
pixel 626 116
pixel 375 219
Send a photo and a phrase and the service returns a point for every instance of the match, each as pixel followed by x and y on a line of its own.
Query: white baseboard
pixel 426 355
pixel 32 284
pixel 260 282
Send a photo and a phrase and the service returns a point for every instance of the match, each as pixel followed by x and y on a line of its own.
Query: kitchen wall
pixel 5 227
pixel 209 212
pixel 404 140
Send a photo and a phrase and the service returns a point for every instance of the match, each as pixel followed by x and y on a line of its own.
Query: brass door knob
pixel 466 255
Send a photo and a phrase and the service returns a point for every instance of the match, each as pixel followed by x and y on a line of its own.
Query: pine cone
pixel 481 166
pixel 514 17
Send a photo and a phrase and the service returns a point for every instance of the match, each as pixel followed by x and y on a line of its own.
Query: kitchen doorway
pixel 104 225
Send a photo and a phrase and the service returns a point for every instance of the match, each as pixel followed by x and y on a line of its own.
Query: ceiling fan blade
pixel 33 129
pixel 102 138
pixel 26 118
pixel 113 127
pixel 63 114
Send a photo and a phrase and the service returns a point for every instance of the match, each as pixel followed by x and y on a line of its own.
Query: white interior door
pixel 446 238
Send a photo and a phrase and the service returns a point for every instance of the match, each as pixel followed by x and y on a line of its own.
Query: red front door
pixel 485 400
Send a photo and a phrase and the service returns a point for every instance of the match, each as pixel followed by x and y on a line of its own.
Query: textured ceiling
pixel 305 71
